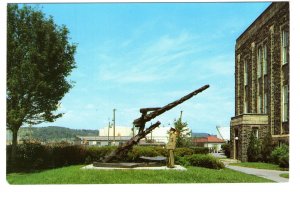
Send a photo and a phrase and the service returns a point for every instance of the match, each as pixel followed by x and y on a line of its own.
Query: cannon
pixel 147 114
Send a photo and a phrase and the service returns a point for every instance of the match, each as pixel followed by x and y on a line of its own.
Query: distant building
pixel 211 141
pixel 198 135
pixel 159 136
pixel 262 80
pixel 100 140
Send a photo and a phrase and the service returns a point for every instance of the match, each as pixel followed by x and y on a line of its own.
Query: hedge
pixel 31 157
pixel 201 160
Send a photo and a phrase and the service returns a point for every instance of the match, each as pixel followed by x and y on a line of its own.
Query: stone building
pixel 262 80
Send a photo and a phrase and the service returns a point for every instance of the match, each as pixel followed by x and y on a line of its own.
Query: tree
pixel 39 58
pixel 267 147
pixel 253 151
pixel 183 139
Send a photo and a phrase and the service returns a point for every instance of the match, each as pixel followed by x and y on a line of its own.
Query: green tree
pixel 267 147
pixel 39 58
pixel 183 139
pixel 253 151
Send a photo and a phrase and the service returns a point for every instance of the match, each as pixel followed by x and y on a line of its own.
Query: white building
pixel 107 136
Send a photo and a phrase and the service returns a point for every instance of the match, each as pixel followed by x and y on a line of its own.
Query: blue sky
pixel 135 55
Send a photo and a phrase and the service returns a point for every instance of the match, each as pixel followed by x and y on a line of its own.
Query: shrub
pixel 182 161
pixel 200 150
pixel 180 152
pixel 36 156
pixel 280 156
pixel 138 151
pixel 267 147
pixel 253 151
pixel 94 153
pixel 206 161
pixel 226 149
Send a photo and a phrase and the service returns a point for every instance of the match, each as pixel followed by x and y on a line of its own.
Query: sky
pixel 136 55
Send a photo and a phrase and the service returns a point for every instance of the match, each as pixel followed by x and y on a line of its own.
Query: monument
pixel 147 114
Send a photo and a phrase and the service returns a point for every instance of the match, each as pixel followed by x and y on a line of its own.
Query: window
pixel 285 111
pixel 265 60
pixel 259 59
pixel 255 132
pixel 245 72
pixel 245 107
pixel 259 105
pixel 265 103
pixel 284 47
pixel 246 96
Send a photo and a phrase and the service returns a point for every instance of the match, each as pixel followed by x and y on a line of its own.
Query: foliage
pixel 75 175
pixel 254 151
pixel 180 152
pixel 34 156
pixel 200 150
pixel 53 133
pixel 138 151
pixel 184 137
pixel 31 157
pixel 267 147
pixel 280 156
pixel 206 161
pixel 94 153
pixel 226 149
pixel 39 58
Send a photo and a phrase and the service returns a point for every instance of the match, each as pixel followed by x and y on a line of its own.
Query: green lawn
pixel 284 175
pixel 258 165
pixel 75 175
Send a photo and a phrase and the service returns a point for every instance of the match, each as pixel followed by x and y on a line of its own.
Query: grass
pixel 75 175
pixel 258 165
pixel 284 175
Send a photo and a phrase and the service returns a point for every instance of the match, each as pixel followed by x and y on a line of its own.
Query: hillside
pixel 53 133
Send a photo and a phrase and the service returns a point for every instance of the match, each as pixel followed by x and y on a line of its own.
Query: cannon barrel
pixel 159 111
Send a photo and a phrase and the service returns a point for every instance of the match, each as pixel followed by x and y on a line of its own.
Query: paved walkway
pixel 268 174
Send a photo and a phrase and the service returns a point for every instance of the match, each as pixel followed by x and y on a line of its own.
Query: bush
pixel 28 157
pixel 206 161
pixel 226 149
pixel 138 151
pixel 280 156
pixel 94 153
pixel 180 152
pixel 254 150
pixel 200 150
pixel 267 147
pixel 182 161
pixel 37 157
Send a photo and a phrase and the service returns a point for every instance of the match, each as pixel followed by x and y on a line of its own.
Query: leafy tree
pixel 253 151
pixel 39 58
pixel 267 147
pixel 183 139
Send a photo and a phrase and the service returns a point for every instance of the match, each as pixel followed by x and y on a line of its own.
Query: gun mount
pixel 147 115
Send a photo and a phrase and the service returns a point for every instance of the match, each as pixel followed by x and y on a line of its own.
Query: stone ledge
pixel 91 167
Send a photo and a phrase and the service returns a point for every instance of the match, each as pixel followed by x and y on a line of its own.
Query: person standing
pixel 171 145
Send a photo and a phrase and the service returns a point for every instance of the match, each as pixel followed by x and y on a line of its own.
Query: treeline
pixel 53 133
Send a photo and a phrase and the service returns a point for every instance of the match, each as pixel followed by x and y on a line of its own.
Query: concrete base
pixel 91 167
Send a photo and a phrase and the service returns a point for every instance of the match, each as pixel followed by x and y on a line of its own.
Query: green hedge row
pixel 32 157
pixel 200 160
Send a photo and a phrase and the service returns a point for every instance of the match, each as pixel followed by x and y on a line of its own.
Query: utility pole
pixel 114 128
pixel 181 115
pixel 108 132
